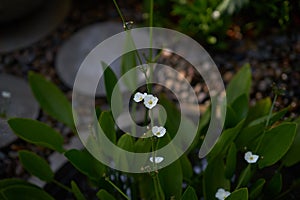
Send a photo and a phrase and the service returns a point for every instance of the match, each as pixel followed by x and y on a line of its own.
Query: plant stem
pixel 270 112
pixel 117 188
pixel 242 178
pixel 267 123
pixel 157 187
pixel 119 11
pixel 62 186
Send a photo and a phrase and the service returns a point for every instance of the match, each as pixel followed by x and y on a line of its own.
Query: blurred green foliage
pixel 213 21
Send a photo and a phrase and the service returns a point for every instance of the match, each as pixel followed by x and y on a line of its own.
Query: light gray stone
pixel 20 104
pixel 22 33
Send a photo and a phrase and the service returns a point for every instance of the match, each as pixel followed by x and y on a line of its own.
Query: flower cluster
pixel 159 131
pixel 149 100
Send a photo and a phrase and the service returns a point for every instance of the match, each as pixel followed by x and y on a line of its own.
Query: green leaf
pixel 107 124
pixel 146 186
pixel 25 192
pixel 260 109
pixel 129 63
pixel 276 143
pixel 241 106
pixel 84 162
pixel 186 166
pixel 143 145
pixel 76 191
pixel 274 117
pixel 51 99
pixel 274 186
pixel 256 188
pixel 240 84
pixel 240 194
pixel 13 182
pixel 231 161
pixel 226 138
pixel 173 115
pixel 37 133
pixel 36 165
pixel 292 156
pixel 104 195
pixel 231 118
pixel 248 135
pixel 171 180
pixel 125 142
pixel 189 194
pixel 214 178
pixel 110 80
pixel 245 176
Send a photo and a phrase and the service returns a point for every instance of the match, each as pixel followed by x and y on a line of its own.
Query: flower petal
pixel 221 194
pixel 157 159
pixel 251 158
pixel 150 101
pixel 138 97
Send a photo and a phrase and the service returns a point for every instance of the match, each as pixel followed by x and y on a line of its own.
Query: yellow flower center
pixel 150 102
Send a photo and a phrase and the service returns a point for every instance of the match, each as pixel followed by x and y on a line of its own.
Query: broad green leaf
pixel 143 145
pixel 110 80
pixel 36 165
pixel 173 115
pixel 202 128
pixel 107 124
pixel 231 118
pixel 104 195
pixel 241 106
pixel 274 187
pixel 226 138
pixel 230 161
pixel 260 109
pixel 51 99
pixel 214 178
pixel 76 191
pixel 276 143
pixel 84 162
pixel 24 192
pixel 37 133
pixel 171 180
pixel 186 166
pixel 129 63
pixel 274 117
pixel 245 176
pixel 125 142
pixel 146 186
pixel 13 182
pixel 257 188
pixel 292 156
pixel 248 135
pixel 240 84
pixel 240 194
pixel 189 194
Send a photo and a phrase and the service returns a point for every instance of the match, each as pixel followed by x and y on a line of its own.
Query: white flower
pixel 6 94
pixel 216 14
pixel 157 159
pixel 158 131
pixel 222 194
pixel 150 101
pixel 251 158
pixel 139 96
